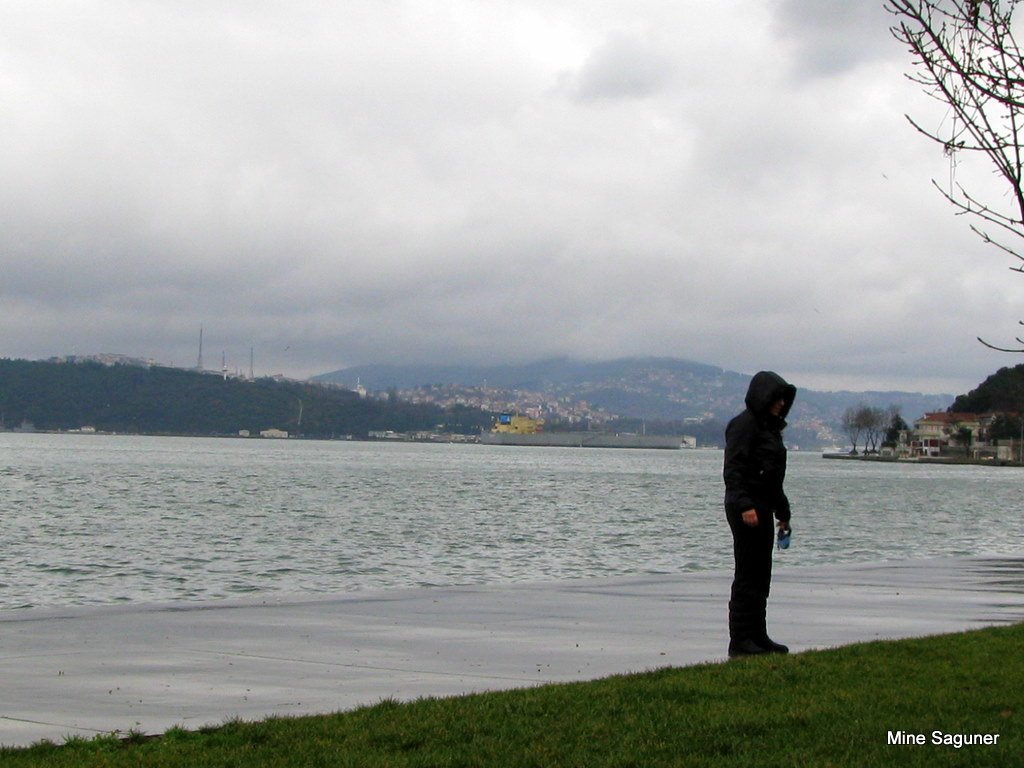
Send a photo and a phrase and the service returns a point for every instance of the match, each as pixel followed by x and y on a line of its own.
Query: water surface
pixel 88 519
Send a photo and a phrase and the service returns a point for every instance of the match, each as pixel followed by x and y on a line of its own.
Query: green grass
pixel 828 708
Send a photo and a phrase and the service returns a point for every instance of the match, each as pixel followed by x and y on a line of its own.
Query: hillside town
pixel 536 405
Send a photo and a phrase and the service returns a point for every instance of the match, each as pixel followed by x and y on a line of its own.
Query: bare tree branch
pixel 965 55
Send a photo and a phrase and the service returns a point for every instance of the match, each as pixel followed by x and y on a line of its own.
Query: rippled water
pixel 99 519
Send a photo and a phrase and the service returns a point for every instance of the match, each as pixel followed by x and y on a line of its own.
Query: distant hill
pixel 654 388
pixel 1002 391
pixel 157 400
pixel 656 394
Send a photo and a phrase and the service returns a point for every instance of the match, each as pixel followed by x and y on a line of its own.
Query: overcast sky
pixel 365 181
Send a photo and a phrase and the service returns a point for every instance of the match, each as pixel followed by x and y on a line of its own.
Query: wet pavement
pixel 84 671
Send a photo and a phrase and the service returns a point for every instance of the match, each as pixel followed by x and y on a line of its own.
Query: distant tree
pixel 966 57
pixel 863 420
pixel 896 425
pixel 874 420
pixel 853 425
pixel 850 428
pixel 1005 426
pixel 960 434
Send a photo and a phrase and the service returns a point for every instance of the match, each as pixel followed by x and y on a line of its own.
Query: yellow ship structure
pixel 508 424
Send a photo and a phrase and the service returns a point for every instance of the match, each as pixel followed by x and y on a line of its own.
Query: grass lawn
pixel 829 708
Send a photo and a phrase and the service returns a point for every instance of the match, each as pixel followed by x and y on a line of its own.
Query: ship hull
pixel 582 440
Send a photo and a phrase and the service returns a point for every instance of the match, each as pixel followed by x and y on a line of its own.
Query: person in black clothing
pixel 755 503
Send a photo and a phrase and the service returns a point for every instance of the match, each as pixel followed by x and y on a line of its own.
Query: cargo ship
pixel 512 429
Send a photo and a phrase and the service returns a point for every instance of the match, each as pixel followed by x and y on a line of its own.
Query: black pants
pixel 752 551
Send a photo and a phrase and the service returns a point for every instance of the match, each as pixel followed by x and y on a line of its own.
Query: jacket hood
pixel 765 388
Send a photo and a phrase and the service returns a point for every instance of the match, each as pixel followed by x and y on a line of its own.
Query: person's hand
pixel 783 525
pixel 750 518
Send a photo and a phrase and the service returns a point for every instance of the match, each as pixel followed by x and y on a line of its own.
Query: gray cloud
pixel 832 36
pixel 622 68
pixel 371 182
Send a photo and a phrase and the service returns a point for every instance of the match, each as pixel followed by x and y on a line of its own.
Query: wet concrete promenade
pixel 83 671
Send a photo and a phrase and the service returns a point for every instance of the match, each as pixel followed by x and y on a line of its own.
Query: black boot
pixel 770 645
pixel 760 635
pixel 744 628
pixel 745 648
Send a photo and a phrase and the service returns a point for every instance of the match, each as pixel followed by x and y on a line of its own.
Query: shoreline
pixel 192 666
pixel 948 461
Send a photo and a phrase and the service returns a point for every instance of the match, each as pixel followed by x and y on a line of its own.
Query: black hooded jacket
pixel 755 456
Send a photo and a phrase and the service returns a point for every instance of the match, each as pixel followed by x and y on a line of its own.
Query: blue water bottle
pixel 784 534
